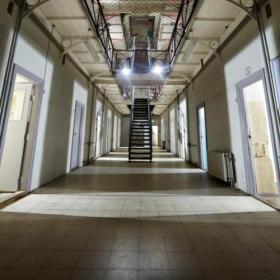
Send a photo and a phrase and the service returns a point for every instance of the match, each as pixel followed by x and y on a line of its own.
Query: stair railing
pixel 131 123
pixel 133 51
pixel 148 51
pixel 150 128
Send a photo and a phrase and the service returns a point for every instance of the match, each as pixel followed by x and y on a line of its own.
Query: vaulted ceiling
pixel 210 26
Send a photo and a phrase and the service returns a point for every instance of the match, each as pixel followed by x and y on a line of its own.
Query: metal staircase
pixel 140 134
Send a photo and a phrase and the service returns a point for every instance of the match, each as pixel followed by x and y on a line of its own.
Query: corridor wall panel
pixel 240 58
pixel 125 122
pixel 7 24
pixel 61 84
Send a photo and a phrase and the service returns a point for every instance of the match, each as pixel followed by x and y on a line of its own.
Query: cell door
pixel 202 138
pixel 98 136
pixel 16 135
pixel 77 136
pixel 256 134
pixel 109 134
pixel 155 135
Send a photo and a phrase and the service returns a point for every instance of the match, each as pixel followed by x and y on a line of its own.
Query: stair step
pixel 140 153
pixel 145 150
pixel 140 146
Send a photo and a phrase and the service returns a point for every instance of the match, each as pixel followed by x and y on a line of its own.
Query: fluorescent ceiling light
pixel 157 69
pixel 126 71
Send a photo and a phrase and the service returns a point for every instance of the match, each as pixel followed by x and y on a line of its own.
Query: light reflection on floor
pixel 122 205
pixel 170 221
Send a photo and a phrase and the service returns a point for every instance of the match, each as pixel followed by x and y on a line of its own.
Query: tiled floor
pixel 115 220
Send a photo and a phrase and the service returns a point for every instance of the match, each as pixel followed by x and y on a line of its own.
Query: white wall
pixel 125 122
pixel 220 97
pixel 173 127
pixel 7 23
pixel 183 126
pixel 213 96
pixel 80 95
pixel 165 131
pixel 63 84
pixel 272 26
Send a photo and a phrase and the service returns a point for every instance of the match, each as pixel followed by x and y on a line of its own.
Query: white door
pixel 202 139
pixel 77 136
pixel 258 137
pixel 98 136
pixel 19 117
pixel 155 135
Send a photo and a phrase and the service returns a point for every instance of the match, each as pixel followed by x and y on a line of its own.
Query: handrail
pixel 182 23
pixel 130 127
pixel 97 18
pixel 150 128
pixel 133 51
pixel 148 49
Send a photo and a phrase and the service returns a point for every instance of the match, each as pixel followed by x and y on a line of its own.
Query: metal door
pixel 16 136
pixel 256 133
pixel 77 135
pixel 202 138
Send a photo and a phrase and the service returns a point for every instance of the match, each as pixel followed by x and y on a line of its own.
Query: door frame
pixel 18 70
pixel 80 134
pixel 198 107
pixel 250 178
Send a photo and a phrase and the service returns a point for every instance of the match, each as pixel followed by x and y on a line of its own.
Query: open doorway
pixel 98 136
pixel 256 135
pixel 21 130
pixel 155 135
pixel 202 138
pixel 77 135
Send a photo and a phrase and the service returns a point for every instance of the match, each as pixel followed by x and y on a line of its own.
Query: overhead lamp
pixel 126 71
pixel 157 69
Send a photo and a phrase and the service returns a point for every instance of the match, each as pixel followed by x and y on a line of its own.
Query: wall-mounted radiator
pixel 221 165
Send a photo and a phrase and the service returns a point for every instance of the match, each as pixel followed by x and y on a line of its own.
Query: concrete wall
pixel 165 131
pixel 125 122
pixel 220 97
pixel 173 124
pixel 213 96
pixel 63 86
pixel 7 24
pixel 241 57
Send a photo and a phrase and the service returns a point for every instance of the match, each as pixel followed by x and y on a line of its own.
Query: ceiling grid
pixel 208 28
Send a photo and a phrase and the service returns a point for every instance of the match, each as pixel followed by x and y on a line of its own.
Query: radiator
pixel 221 165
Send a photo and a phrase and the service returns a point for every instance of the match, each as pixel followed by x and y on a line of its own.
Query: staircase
pixel 141 62
pixel 140 135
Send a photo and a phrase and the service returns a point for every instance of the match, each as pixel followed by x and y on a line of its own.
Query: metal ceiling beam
pixel 77 37
pixel 139 82
pixel 31 8
pixel 247 9
pixel 206 19
pixel 94 12
pixel 66 18
pixel 184 20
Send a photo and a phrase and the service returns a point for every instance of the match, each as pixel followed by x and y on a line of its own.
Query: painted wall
pixel 272 26
pixel 165 131
pixel 125 122
pixel 213 96
pixel 239 58
pixel 63 85
pixel 7 23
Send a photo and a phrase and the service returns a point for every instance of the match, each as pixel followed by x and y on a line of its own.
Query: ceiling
pixel 210 27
